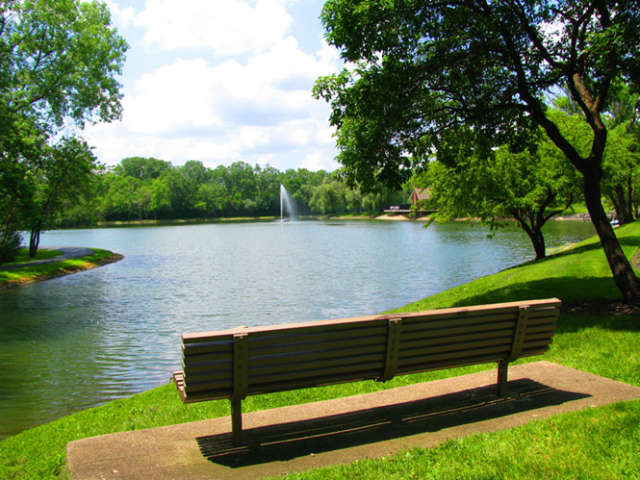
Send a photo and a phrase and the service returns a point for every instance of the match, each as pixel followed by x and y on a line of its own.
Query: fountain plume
pixel 286 201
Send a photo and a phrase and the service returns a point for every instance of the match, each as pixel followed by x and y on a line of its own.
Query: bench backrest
pixel 247 361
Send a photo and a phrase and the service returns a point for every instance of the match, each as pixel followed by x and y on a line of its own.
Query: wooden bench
pixel 249 361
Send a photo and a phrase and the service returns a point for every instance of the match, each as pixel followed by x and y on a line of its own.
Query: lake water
pixel 81 340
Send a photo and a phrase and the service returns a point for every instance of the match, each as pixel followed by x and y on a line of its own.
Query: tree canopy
pixel 238 190
pixel 531 186
pixel 419 69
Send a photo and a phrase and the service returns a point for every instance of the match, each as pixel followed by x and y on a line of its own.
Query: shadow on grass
pixel 592 294
pixel 613 323
pixel 625 241
pixel 567 289
pixel 298 439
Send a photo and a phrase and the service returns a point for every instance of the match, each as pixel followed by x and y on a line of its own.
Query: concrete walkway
pixel 68 253
pixel 302 437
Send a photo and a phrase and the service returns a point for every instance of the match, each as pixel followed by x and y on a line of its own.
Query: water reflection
pixel 81 340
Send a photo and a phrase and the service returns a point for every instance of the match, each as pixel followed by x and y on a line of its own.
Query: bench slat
pixel 336 343
pixel 354 369
pixel 407 341
pixel 190 367
pixel 444 364
pixel 319 334
pixel 497 352
pixel 433 326
pixel 319 381
pixel 223 347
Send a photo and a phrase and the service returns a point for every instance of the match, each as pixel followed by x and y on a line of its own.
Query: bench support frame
pixel 240 384
pixel 516 350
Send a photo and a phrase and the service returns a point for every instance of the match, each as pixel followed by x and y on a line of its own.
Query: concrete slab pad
pixel 301 437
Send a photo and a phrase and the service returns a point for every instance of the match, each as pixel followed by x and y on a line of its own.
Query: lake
pixel 82 340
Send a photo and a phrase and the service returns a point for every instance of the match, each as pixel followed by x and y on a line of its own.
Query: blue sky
pixel 221 81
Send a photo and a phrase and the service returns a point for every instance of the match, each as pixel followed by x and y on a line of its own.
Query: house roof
pixel 420 194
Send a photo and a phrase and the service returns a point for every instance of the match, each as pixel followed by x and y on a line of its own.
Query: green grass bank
pixel 34 273
pixel 600 443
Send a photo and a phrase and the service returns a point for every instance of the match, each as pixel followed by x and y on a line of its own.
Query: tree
pixel 120 197
pixel 21 145
pixel 621 164
pixel 531 187
pixel 268 181
pixel 66 177
pixel 142 168
pixel 58 62
pixel 326 198
pixel 421 68
pixel 621 172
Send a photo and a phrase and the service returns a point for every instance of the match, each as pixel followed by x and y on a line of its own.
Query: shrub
pixel 9 246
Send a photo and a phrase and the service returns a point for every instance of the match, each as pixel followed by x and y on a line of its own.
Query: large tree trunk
pixel 623 274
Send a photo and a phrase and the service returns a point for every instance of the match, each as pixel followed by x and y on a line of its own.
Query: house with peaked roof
pixel 417 195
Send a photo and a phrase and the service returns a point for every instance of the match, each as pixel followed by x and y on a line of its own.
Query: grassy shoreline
pixel 597 443
pixel 267 219
pixel 37 273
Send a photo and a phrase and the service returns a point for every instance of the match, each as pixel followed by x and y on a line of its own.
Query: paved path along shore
pixel 68 253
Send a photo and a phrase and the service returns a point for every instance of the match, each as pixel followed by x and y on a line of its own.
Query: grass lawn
pixel 23 256
pixel 600 443
pixel 23 275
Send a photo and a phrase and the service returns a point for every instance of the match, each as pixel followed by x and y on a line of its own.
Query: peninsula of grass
pixel 34 273
pixel 599 443
pixel 23 256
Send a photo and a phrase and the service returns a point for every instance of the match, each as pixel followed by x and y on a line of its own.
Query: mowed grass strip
pixel 592 444
pixel 23 256
pixel 29 274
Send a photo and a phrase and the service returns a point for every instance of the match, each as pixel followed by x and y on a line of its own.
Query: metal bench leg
pixel 503 368
pixel 236 422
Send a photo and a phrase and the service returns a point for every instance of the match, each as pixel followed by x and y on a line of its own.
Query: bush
pixel 9 246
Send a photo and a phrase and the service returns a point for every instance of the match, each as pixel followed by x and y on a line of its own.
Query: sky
pixel 221 81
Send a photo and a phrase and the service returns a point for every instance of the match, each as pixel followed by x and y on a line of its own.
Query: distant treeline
pixel 148 188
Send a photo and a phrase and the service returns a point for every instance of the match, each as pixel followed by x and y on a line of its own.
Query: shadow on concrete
pixel 296 439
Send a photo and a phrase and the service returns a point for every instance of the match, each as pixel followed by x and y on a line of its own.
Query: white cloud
pixel 228 27
pixel 257 109
pixel 121 17
pixel 319 160
pixel 194 94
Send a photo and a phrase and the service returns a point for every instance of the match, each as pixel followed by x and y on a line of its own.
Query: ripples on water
pixel 81 340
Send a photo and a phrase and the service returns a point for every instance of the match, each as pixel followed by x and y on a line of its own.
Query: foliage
pixel 530 186
pixel 420 69
pixel 602 442
pixel 621 164
pixel 64 177
pixel 128 192
pixel 58 63
pixel 10 246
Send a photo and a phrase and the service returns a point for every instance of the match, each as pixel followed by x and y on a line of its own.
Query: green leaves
pixel 58 63
pixel 65 56
pixel 530 186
